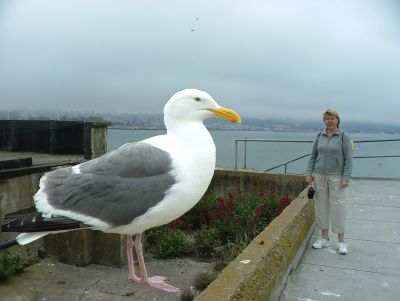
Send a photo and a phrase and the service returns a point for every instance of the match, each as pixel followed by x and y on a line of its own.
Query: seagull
pixel 136 187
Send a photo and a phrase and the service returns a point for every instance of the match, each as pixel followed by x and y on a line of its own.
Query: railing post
pixel 245 153
pixel 285 164
pixel 236 150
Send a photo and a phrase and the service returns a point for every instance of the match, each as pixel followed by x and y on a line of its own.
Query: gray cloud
pixel 287 59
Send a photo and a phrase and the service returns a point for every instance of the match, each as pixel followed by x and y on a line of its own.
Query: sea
pixel 265 155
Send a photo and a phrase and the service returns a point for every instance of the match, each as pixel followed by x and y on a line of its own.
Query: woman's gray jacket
pixel 331 155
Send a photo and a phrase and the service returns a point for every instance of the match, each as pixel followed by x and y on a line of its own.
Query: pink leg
pixel 131 265
pixel 157 282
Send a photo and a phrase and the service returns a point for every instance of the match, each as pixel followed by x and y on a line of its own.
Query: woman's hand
pixel 344 184
pixel 309 180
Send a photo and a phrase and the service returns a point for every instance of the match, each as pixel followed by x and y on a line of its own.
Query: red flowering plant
pixel 220 226
pixel 240 216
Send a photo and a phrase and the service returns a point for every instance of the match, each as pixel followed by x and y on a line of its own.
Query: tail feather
pixel 32 226
pixel 19 214
pixel 28 220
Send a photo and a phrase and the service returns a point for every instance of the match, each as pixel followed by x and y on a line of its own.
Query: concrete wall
pixel 231 180
pixel 54 137
pixel 95 137
pixel 18 185
pixel 16 193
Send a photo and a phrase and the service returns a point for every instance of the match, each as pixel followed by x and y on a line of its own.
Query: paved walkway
pixel 371 270
pixel 51 280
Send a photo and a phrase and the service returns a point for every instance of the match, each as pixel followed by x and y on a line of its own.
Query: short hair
pixel 331 112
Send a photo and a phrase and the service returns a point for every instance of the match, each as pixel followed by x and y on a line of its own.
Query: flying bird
pixel 136 187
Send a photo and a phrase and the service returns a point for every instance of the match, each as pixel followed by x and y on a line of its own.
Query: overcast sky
pixel 264 58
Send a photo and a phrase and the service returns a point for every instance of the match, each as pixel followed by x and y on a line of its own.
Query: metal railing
pixel 286 163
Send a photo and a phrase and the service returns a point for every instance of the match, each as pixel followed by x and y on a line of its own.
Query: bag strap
pixel 342 144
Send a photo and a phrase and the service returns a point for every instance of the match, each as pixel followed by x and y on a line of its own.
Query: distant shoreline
pixel 155 122
pixel 248 130
pixel 210 129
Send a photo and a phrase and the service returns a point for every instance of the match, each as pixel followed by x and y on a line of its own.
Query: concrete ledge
pixel 261 270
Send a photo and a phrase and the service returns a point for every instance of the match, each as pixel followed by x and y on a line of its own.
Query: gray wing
pixel 116 187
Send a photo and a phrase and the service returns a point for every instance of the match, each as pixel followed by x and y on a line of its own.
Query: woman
pixel 329 167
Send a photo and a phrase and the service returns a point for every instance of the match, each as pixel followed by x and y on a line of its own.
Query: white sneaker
pixel 321 243
pixel 342 248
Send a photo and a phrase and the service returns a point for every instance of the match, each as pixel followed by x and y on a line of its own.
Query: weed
pixel 203 280
pixel 168 242
pixel 6 266
pixel 187 295
pixel 206 240
pixel 12 264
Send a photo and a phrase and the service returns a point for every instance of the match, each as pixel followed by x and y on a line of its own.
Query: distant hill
pixel 155 121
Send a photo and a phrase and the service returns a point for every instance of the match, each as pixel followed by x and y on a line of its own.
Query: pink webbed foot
pixel 160 283
pixel 155 282
pixel 158 278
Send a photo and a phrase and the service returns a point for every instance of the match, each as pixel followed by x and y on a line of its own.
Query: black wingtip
pixel 8 243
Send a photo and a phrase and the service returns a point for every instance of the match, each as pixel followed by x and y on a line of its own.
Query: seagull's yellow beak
pixel 228 114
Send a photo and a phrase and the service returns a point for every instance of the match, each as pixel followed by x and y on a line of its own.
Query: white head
pixel 196 105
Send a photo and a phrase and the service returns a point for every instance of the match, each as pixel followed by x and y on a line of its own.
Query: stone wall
pixel 18 184
pixel 16 193
pixel 54 137
pixel 231 180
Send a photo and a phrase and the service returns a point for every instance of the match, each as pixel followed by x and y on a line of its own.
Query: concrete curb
pixel 260 272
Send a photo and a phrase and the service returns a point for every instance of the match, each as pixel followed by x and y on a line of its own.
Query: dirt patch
pixel 50 280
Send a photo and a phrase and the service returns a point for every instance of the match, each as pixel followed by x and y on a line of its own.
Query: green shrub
pixel 12 264
pixel 168 242
pixel 203 280
pixel 206 240
pixel 187 295
pixel 239 217
pixel 6 266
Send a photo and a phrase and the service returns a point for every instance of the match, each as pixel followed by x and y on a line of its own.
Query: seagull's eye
pixel 197 99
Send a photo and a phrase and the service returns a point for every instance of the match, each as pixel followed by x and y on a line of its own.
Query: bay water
pixel 265 155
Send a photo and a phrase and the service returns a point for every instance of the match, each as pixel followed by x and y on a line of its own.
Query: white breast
pixel 193 169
